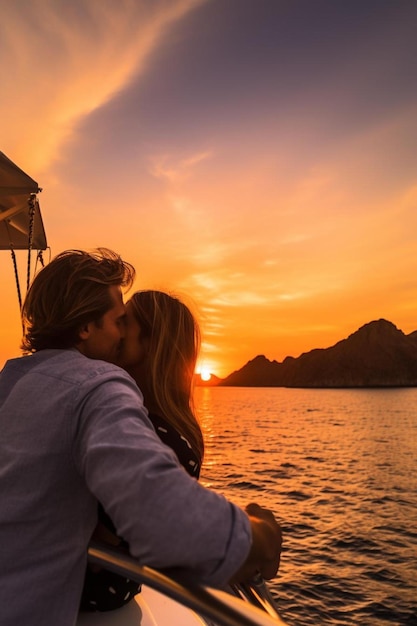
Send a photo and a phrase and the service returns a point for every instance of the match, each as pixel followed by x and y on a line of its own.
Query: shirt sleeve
pixel 166 516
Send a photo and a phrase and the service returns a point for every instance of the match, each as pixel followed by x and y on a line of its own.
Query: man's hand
pixel 265 552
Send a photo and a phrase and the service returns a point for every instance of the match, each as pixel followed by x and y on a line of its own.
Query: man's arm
pixel 167 517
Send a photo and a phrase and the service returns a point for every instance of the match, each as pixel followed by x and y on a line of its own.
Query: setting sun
pixel 205 373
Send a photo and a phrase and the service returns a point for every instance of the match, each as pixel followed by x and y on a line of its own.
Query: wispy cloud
pixel 175 170
pixel 62 60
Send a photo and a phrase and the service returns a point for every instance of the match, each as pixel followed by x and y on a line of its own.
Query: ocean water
pixel 338 468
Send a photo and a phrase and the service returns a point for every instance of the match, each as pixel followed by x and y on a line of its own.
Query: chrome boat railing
pixel 252 605
pixel 257 593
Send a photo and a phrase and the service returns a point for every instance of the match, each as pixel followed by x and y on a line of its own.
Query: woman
pixel 160 351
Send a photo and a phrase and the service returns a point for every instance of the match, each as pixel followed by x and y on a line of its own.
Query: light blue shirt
pixel 74 431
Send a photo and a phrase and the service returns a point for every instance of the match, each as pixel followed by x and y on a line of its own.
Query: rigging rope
pixel 31 203
pixel 16 274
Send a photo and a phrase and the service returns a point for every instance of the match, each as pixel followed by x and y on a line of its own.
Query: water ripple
pixel 337 467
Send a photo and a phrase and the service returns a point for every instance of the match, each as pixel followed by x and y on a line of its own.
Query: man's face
pixel 103 340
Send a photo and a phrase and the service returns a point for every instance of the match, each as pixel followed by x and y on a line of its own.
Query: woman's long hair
pixel 172 338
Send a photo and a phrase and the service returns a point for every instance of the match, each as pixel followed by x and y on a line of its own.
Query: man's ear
pixel 84 332
pixel 83 336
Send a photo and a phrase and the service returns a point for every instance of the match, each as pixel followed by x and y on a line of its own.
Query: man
pixel 74 431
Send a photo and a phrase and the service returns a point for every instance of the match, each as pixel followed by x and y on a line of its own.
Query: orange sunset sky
pixel 255 157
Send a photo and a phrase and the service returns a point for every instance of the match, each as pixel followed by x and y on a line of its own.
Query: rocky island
pixel 376 355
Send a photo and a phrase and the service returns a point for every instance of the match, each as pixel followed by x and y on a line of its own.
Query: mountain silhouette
pixel 376 355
